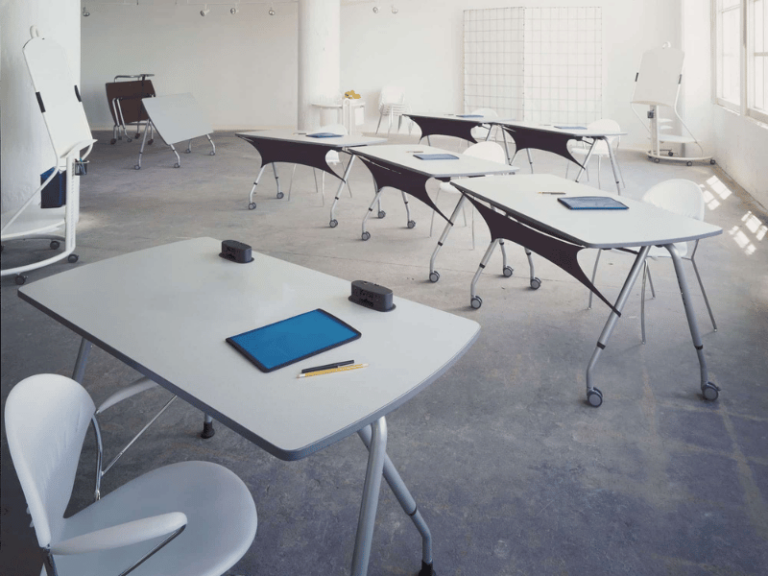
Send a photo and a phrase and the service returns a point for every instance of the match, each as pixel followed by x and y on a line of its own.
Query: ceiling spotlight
pixel 375 9
pixel 85 12
pixel 204 12
pixel 234 10
pixel 394 9
pixel 271 11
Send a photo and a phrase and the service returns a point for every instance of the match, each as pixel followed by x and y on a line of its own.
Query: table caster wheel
pixel 476 302
pixel 252 206
pixel 151 140
pixel 434 276
pixel 137 167
pixel 535 283
pixel 382 214
pixel 280 195
pixel 55 244
pixel 710 391
pixel 20 279
pixel 333 223
pixel 72 258
pixel 211 153
pixel 188 151
pixel 113 141
pixel 657 160
pixel 670 153
pixel 411 224
pixel 594 397
pixel 177 165
pixel 137 135
pixel 689 163
pixel 129 139
pixel 508 271
pixel 712 161
pixel 366 235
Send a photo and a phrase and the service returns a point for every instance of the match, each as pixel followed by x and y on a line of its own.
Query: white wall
pixel 243 68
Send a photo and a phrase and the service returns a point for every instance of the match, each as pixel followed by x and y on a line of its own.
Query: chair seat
pixel 221 523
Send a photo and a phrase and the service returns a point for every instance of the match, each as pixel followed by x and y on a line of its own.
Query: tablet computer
pixel 288 341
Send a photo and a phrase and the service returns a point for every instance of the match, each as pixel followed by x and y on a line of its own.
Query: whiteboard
pixel 63 111
pixel 177 117
pixel 659 77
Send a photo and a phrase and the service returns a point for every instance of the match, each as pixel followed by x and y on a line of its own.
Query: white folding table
pixel 297 148
pixel 457 125
pixel 166 312
pixel 523 209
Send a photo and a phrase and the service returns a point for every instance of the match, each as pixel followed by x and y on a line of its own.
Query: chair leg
pixel 594 273
pixel 379 124
pixel 322 187
pixel 599 185
pixel 704 293
pixel 290 187
pixel 642 301
pixel 567 166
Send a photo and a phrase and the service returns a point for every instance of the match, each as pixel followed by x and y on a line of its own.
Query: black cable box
pixel 372 296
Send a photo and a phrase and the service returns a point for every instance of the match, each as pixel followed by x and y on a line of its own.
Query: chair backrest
pixel 46 419
pixel 680 196
pixel 487 151
pixel 486 112
pixel 334 129
pixel 609 126
pixel 391 95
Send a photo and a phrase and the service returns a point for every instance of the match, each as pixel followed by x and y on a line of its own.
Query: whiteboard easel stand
pixel 35 229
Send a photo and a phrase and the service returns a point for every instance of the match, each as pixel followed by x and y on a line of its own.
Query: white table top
pixel 457 117
pixel 641 225
pixel 166 311
pixel 297 136
pixel 403 155
pixel 586 133
pixel 177 117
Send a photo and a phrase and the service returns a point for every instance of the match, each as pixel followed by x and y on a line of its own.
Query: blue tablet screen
pixel 288 341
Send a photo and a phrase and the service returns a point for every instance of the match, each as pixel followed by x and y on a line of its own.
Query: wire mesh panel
pixel 537 64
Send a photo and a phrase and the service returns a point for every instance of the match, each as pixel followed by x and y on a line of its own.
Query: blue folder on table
pixel 571 127
pixel 469 115
pixel 324 135
pixel 592 203
pixel 436 156
pixel 287 341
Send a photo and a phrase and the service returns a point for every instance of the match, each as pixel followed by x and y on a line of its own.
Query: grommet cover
pixel 235 251
pixel 372 296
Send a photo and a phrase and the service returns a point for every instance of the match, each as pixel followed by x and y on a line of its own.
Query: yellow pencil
pixel 332 370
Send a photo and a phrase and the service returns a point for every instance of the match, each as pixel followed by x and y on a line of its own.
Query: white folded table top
pixel 166 311
pixel 177 117
pixel 642 224
pixel 300 136
pixel 563 128
pixel 403 155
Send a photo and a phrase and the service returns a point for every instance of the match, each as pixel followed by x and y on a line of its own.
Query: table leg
pixel 411 223
pixel 614 166
pixel 709 390
pixel 434 275
pixel 213 146
pixel 530 159
pixel 251 203
pixel 475 300
pixel 141 150
pixel 366 235
pixel 370 502
pixel 178 158
pixel 82 359
pixel 594 395
pixel 277 181
pixel 407 503
pixel 586 160
pixel 335 222
pixel 506 146
pixel 208 430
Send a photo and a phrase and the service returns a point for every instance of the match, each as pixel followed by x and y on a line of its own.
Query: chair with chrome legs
pixel 184 519
pixel 682 197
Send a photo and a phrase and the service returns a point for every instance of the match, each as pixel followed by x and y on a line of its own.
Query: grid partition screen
pixel 536 64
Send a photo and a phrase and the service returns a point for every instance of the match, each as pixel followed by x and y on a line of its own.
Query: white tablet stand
pixel 658 84
pixel 62 109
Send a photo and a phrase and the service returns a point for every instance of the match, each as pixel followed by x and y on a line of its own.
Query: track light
pixel 205 11
pixel 271 11
pixel 85 12
pixel 394 9
pixel 375 9
pixel 234 10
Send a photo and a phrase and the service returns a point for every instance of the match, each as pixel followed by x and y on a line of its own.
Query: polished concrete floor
pixel 513 472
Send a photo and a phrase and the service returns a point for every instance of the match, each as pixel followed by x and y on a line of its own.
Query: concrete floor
pixel 510 468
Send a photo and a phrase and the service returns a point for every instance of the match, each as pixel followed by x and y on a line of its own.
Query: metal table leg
pixel 708 389
pixel 530 159
pixel 614 166
pixel 370 502
pixel 178 158
pixel 213 146
pixel 251 203
pixel 335 222
pixel 141 150
pixel 277 181
pixel 434 275
pixel 407 503
pixel 367 235
pixel 208 430
pixel 594 395
pixel 586 160
pixel 82 359
pixel 475 300
pixel 411 223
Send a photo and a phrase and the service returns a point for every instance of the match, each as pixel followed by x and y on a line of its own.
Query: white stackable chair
pixel 184 519
pixel 683 197
pixel 490 151
pixel 601 146
pixel 332 158
pixel 392 103
pixel 482 133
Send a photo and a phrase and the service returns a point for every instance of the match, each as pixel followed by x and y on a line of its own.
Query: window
pixel 741 56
